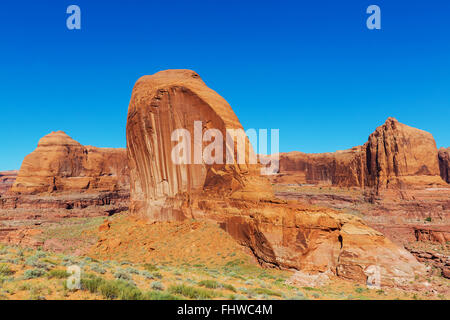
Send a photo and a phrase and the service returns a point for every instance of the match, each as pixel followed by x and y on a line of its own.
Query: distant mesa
pixel 60 163
pixel 286 235
pixel 394 156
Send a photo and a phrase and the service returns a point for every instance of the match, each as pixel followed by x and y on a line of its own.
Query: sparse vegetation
pixel 5 270
pixel 192 292
pixel 58 274
pixel 34 273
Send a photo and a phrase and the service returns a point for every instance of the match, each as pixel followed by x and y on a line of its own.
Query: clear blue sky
pixel 310 68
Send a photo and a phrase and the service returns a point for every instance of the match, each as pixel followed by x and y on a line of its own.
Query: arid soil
pixel 113 268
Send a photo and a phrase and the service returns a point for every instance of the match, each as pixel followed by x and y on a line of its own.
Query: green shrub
pixel 192 292
pixel 267 292
pixel 158 295
pixel 213 284
pixel 122 274
pixel 229 287
pixel 97 268
pixel 132 270
pixel 91 284
pixel 360 290
pixel 111 289
pixel 210 284
pixel 33 273
pixel 58 274
pixel 34 261
pixel 157 286
pixel 150 267
pixel 5 270
pixel 118 289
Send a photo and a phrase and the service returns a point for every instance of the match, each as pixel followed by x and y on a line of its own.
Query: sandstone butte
pixel 395 156
pixel 61 164
pixel 444 163
pixel 279 233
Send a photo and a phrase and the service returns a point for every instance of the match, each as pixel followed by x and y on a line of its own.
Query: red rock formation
pixel 161 103
pixel 241 201
pixel 444 163
pixel 395 155
pixel 7 179
pixel 401 155
pixel 343 168
pixel 61 164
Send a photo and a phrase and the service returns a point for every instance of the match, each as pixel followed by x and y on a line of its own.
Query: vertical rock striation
pixel 160 104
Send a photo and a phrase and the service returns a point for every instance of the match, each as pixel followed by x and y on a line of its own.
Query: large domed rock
pixel 60 163
pixel 160 104
pixel 286 235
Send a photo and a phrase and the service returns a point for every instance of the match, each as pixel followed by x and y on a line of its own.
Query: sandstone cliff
pixel 395 155
pixel 444 163
pixel 161 103
pixel 280 234
pixel 60 163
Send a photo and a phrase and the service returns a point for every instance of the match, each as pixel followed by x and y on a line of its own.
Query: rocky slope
pixel 286 235
pixel 60 163
pixel 395 156
pixel 7 179
pixel 444 163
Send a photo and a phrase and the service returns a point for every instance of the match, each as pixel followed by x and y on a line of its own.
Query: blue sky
pixel 309 68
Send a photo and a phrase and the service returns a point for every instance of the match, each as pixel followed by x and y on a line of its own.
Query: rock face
pixel 444 163
pixel 161 103
pixel 395 155
pixel 7 179
pixel 60 163
pixel 401 155
pixel 281 234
